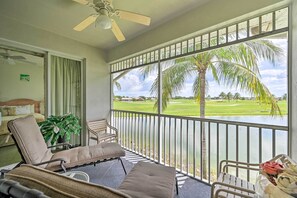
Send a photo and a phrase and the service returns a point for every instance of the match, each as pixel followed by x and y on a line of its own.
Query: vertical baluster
pixel 175 140
pixel 181 145
pixel 131 131
pixel 121 128
pixel 260 145
pixel 187 147
pixel 227 138
pixel 149 134
pixel 138 134
pixel 218 149
pixel 201 163
pixel 145 137
pixel 273 143
pixel 237 148
pixel 154 132
pixel 169 130
pixel 248 151
pixel 134 131
pixel 142 134
pixel 164 139
pixel 194 148
pixel 208 136
pixel 126 130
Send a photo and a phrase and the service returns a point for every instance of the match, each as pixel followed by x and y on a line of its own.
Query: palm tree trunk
pixel 202 115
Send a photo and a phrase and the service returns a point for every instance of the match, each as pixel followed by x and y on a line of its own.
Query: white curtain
pixel 66 88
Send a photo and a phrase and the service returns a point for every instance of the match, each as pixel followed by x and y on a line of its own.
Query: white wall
pixel 205 16
pixel 11 87
pixel 97 70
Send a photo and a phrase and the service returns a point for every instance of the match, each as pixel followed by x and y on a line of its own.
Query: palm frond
pixel 173 79
pixel 147 70
pixel 233 74
pixel 118 85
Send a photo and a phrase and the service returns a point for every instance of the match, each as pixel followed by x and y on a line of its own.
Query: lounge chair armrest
pixel 61 144
pixel 239 167
pixel 231 186
pixel 50 161
pixel 62 161
pixel 236 163
pixel 215 194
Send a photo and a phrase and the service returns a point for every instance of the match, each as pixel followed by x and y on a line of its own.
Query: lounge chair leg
pixel 123 166
pixel 63 167
pixel 176 185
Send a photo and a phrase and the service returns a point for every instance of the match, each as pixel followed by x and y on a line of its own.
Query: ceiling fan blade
pixel 134 17
pixel 85 23
pixel 117 31
pixel 84 2
pixel 17 57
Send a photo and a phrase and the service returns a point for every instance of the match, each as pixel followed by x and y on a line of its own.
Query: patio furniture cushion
pixel 28 138
pixel 86 155
pixel 55 185
pixel 149 180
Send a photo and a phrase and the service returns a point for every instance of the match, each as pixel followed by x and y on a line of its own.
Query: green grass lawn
pixel 186 107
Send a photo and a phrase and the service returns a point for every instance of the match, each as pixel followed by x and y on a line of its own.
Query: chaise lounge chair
pixel 34 150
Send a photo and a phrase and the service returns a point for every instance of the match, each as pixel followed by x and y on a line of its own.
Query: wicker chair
pixel 228 185
pixel 100 131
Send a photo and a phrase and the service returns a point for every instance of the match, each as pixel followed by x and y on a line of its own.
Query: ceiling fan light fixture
pixel 104 22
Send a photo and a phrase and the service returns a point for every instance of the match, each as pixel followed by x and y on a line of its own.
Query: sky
pixel 273 76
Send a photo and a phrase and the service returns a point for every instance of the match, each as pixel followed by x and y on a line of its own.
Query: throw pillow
pixel 20 110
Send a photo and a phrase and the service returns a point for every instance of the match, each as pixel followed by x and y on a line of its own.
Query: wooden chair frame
pixel 235 190
pixel 99 129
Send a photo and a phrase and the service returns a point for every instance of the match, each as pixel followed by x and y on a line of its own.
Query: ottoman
pixel 149 180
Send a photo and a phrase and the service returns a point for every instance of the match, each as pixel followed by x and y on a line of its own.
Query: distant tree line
pixel 222 96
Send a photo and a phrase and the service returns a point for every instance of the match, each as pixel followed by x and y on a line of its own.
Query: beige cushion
pixel 55 185
pixel 149 180
pixel 30 140
pixel 87 154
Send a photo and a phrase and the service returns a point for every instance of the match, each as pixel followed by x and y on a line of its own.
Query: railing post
pixel 159 106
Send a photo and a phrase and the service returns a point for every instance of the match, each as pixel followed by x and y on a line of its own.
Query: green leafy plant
pixel 55 127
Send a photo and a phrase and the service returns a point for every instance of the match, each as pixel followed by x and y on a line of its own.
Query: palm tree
pixel 233 66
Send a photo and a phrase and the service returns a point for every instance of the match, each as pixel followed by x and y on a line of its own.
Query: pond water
pixel 272 120
pixel 184 138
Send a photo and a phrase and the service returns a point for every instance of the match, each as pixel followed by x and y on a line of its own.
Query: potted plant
pixel 55 127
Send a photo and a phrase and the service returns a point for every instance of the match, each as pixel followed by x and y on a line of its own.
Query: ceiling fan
pixel 11 60
pixel 104 11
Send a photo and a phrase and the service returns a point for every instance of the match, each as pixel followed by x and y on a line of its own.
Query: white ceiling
pixel 60 16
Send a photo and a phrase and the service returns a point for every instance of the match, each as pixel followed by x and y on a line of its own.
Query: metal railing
pixel 195 146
